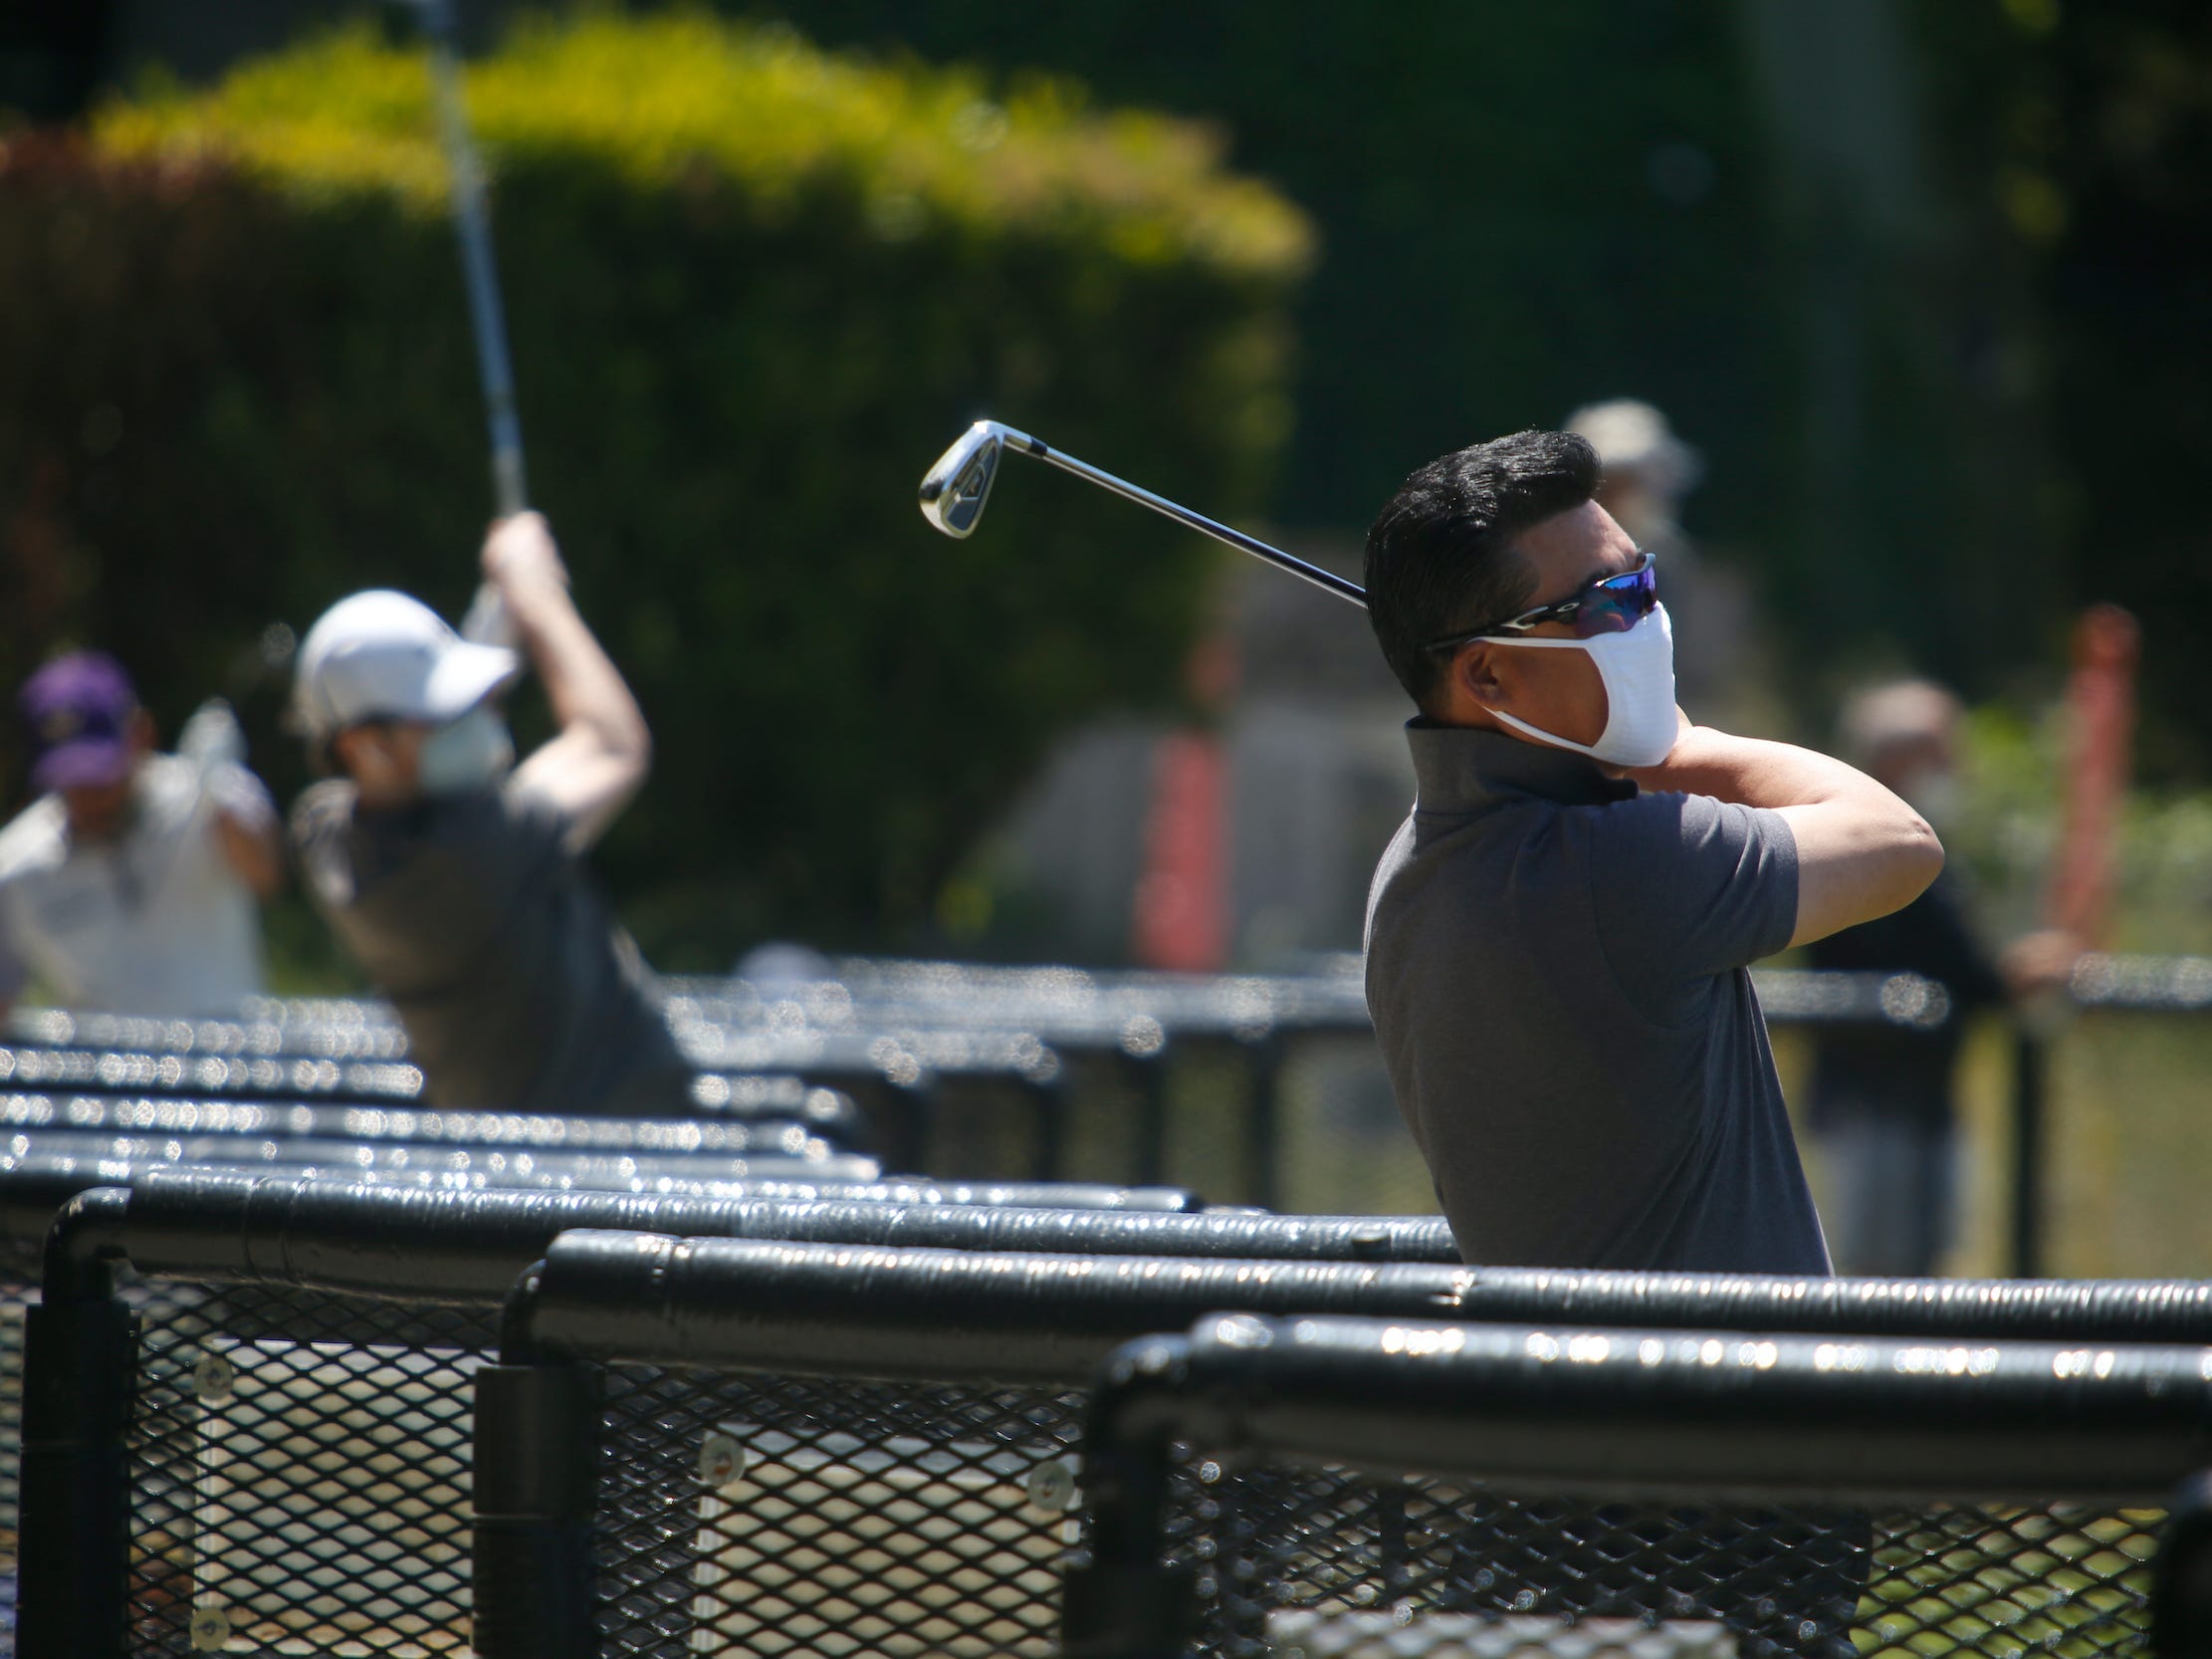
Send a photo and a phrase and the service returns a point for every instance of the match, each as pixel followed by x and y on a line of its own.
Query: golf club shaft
pixel 472 227
pixel 1328 580
pixel 487 621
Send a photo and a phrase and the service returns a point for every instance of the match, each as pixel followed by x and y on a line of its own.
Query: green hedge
pixel 751 290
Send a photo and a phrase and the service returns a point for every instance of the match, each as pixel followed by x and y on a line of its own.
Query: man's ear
pixel 1479 676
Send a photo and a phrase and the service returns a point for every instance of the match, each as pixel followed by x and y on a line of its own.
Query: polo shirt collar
pixel 1462 769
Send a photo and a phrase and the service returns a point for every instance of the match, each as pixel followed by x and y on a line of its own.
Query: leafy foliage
pixel 752 291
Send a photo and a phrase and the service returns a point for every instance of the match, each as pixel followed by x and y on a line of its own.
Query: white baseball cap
pixel 382 655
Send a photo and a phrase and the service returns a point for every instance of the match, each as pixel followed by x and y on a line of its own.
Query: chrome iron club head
pixel 956 489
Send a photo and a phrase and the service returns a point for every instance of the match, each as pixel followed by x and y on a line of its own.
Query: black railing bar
pixel 361 1240
pixel 1572 1408
pixel 718 1301
pixel 414 1125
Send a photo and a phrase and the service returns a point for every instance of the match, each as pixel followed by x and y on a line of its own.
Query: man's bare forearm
pixel 1753 772
pixel 1862 850
pixel 587 691
pixel 584 688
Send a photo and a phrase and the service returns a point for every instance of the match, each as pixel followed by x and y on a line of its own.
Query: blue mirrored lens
pixel 1617 604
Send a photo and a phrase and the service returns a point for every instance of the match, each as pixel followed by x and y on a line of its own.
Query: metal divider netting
pixel 774 1517
pixel 298 1467
pixel 867 1453
pixel 784 1516
pixel 1681 1493
pixel 1331 1563
pixel 295 1408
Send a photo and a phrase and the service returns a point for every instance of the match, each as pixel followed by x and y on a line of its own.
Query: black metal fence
pixel 289 1417
pixel 817 1444
pixel 508 1226
pixel 698 1446
pixel 364 1311
pixel 1046 1072
pixel 973 1069
pixel 1496 1485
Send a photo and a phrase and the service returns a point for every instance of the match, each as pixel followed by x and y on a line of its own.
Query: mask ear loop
pixel 1583 645
pixel 1514 720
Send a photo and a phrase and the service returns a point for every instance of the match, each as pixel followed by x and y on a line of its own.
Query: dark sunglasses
pixel 1610 605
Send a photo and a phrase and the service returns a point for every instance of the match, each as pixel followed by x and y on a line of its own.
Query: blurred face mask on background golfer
pixel 464 755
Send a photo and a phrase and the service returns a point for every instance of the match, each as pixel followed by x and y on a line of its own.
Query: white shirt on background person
pixel 154 923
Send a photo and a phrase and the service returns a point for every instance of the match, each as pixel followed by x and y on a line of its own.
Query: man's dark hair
pixel 1439 555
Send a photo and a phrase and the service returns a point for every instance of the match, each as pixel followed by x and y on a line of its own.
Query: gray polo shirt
pixel 518 990
pixel 1555 965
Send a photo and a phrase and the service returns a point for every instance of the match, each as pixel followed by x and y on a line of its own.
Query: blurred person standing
pixel 131 885
pixel 1881 1111
pixel 1648 471
pixel 455 876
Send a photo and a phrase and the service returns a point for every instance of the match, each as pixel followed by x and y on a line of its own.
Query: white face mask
pixel 1638 669
pixel 471 753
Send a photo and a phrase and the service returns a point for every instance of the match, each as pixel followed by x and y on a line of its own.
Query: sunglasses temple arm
pixel 1328 580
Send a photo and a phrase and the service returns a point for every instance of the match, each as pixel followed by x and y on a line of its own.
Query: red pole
pixel 2100 707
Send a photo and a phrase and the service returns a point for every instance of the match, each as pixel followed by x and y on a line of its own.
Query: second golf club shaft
pixel 1327 581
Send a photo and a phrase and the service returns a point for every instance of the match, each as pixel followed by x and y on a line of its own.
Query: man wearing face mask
pixel 1557 936
pixel 1881 1095
pixel 453 874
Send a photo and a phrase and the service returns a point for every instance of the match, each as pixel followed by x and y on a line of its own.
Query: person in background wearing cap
pixel 1882 1112
pixel 130 885
pixel 453 874
pixel 1648 471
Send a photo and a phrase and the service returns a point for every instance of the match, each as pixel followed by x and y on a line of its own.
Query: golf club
pixel 486 622
pixel 955 491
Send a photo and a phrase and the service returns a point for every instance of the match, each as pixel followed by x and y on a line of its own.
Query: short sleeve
pixel 535 817
pixel 241 796
pixel 1685 887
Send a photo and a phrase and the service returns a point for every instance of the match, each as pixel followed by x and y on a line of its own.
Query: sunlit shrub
pixel 752 290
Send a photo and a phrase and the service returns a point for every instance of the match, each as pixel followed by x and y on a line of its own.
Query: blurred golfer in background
pixel 1882 1112
pixel 1557 936
pixel 454 875
pixel 1647 471
pixel 132 884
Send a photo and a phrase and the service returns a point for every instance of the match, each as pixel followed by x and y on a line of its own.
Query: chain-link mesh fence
pixel 297 1458
pixel 766 1509
pixel 300 1474
pixel 299 1461
pixel 797 1516
pixel 1335 1564
pixel 1626 1494
pixel 778 1517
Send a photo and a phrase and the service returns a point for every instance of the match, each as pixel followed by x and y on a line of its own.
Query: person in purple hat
pixel 132 884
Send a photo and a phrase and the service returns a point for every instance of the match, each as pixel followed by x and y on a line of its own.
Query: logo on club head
pixel 964 502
